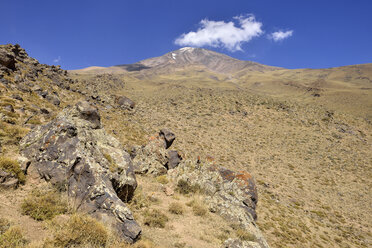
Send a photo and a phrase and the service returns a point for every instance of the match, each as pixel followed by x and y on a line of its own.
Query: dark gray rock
pixel 53 99
pixel 125 103
pixel 17 97
pixel 74 150
pixel 174 158
pixel 90 113
pixel 168 137
pixel 7 59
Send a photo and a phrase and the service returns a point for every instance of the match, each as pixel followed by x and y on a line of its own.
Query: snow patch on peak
pixel 174 56
pixel 187 49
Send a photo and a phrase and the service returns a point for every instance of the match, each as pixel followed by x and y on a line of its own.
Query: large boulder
pixel 73 150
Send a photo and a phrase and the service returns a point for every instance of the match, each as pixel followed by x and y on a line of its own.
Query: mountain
pixel 346 88
pixel 183 58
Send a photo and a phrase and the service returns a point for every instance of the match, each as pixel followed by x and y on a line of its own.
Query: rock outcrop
pixel 155 158
pixel 233 195
pixel 74 150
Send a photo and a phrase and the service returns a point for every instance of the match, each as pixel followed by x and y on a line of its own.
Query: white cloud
pixel 280 35
pixel 57 59
pixel 223 34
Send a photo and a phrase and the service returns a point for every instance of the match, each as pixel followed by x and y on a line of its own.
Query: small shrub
pixel 199 210
pixel 180 245
pixel 13 237
pixel 162 179
pixel 244 235
pixel 13 167
pixel 139 200
pixel 80 231
pixel 155 218
pixel 4 225
pixel 43 205
pixel 11 134
pixel 176 208
pixel 185 187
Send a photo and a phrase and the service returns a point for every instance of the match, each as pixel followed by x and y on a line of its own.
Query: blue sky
pixel 77 34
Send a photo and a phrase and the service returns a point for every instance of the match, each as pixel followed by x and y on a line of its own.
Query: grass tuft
pixel 155 218
pixel 43 205
pixel 80 231
pixel 13 238
pixel 176 208
pixel 162 179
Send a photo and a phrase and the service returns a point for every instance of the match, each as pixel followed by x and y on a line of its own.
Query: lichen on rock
pixel 71 149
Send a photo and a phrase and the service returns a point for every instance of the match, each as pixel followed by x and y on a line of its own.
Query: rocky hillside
pixel 304 134
pixel 66 182
pixel 254 159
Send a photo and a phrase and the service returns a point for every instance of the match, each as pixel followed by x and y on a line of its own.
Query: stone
pixel 17 97
pixel 174 158
pixel 168 191
pixel 8 180
pixel 168 137
pixel 7 59
pixel 125 103
pixel 75 151
pixel 90 113
pixel 9 108
pixel 237 243
pixel 53 99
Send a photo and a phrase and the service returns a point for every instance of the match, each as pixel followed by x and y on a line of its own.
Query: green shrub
pixel 155 218
pixel 185 187
pixel 162 179
pixel 80 231
pixel 13 238
pixel 43 205
pixel 12 167
pixel 176 208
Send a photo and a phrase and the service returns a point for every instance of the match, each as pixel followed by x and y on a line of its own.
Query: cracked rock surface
pixel 75 151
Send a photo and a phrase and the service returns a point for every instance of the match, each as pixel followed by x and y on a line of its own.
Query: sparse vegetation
pixel 43 204
pixel 12 238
